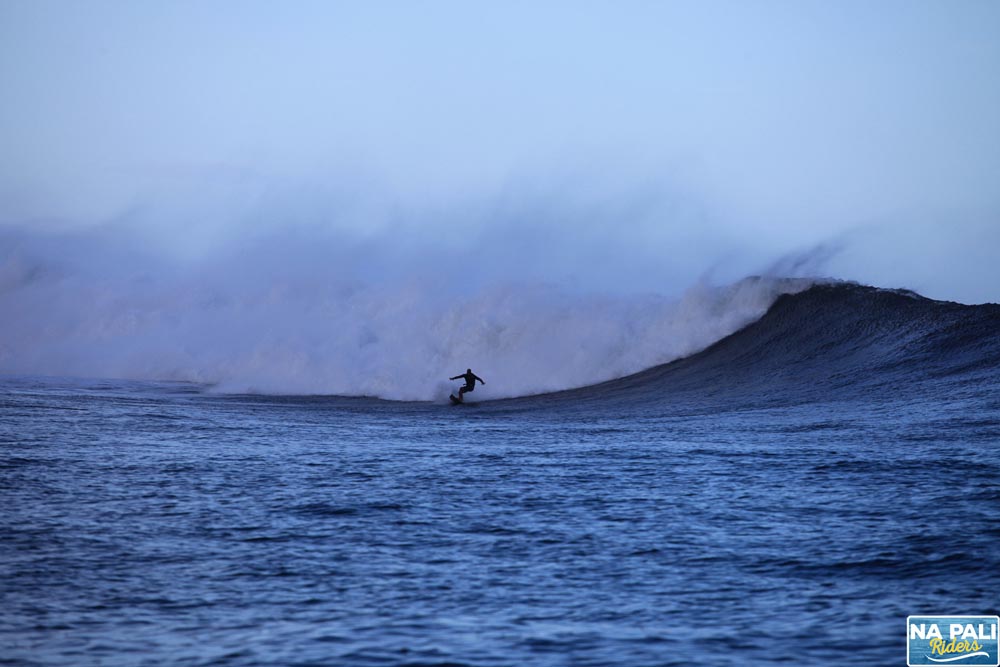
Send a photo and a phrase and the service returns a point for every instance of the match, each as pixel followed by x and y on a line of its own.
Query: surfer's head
pixel 468 370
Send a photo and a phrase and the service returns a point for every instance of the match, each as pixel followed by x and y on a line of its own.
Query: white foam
pixel 265 323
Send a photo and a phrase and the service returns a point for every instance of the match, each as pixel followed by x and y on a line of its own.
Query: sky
pixel 779 123
pixel 599 147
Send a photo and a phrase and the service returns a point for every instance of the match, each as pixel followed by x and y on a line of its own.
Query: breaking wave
pixel 304 316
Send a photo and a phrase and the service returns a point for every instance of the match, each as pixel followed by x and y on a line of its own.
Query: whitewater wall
pixel 314 315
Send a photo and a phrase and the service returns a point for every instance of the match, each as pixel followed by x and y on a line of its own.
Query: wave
pixel 308 312
pixel 828 342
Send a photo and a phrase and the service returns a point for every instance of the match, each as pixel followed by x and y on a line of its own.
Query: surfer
pixel 470 381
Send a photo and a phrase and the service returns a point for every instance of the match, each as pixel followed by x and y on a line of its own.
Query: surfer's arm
pixel 455 378
pixel 480 379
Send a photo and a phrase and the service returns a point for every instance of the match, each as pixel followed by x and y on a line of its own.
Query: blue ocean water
pixel 787 496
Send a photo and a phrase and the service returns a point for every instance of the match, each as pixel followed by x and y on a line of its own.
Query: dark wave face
pixel 829 342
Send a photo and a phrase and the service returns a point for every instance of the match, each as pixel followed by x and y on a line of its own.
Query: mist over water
pixel 536 299
pixel 249 284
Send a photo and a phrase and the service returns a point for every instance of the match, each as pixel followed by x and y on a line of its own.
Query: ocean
pixel 788 495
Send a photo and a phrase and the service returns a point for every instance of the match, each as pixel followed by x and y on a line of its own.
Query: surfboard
pixel 454 400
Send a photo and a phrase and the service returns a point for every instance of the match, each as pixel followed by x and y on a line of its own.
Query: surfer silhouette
pixel 470 381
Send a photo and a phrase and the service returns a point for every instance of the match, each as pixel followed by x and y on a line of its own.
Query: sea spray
pixel 288 331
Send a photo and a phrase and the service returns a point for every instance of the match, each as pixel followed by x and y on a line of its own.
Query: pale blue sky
pixel 787 121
